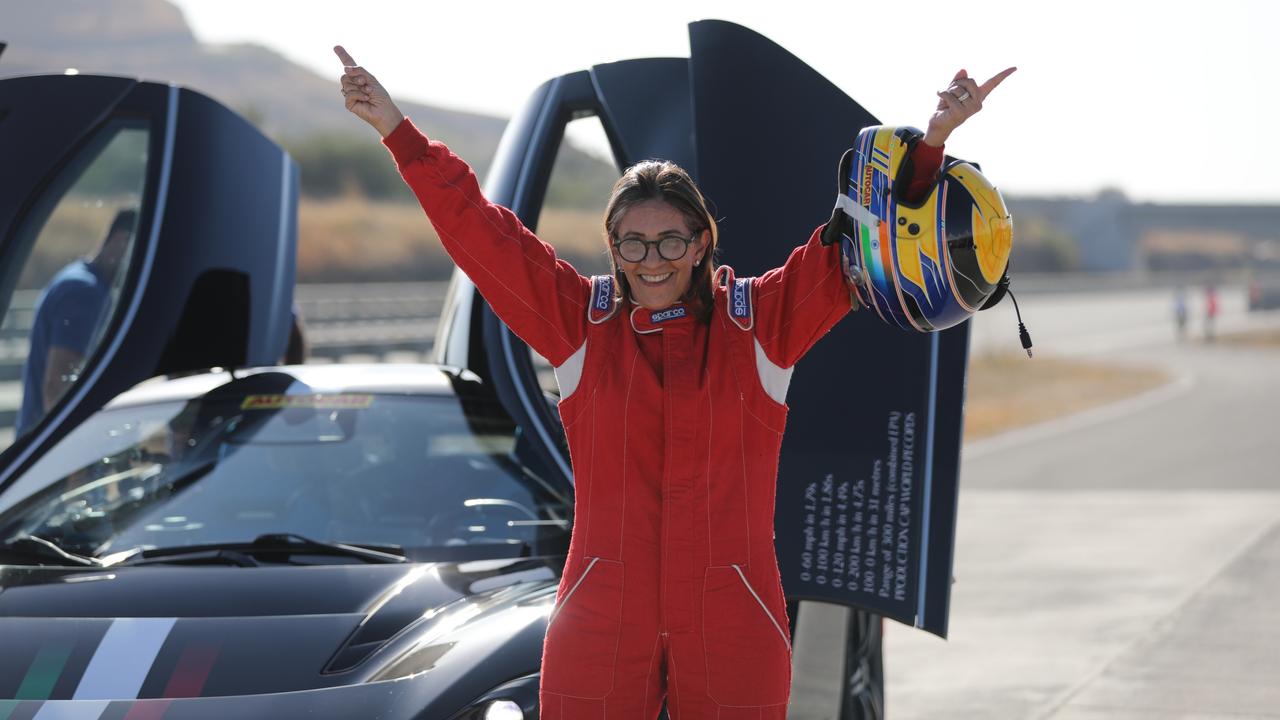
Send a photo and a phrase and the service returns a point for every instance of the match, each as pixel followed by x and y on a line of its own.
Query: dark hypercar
pixel 189 530
pixel 335 541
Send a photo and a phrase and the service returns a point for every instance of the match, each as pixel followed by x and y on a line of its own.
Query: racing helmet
pixel 922 266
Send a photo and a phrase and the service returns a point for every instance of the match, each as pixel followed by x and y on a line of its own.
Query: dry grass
pixel 1010 391
pixel 353 238
pixel 1268 339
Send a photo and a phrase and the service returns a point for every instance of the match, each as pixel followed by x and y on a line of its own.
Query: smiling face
pixel 655 282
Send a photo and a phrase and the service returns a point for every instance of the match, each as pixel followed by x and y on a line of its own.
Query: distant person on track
pixel 1210 312
pixel 68 320
pixel 1180 312
pixel 673 375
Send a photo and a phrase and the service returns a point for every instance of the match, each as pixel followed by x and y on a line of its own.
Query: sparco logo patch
pixel 671 314
pixel 604 293
pixel 741 298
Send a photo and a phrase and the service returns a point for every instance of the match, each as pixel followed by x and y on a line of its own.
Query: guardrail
pixel 370 318
pixel 343 322
pixel 14 332
pixel 340 319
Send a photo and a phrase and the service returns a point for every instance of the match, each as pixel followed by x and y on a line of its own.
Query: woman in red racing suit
pixel 673 375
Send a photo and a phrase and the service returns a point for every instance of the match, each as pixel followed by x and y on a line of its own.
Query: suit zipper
pixel 572 590
pixel 763 607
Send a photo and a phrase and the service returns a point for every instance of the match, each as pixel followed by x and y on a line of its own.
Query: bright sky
pixel 1169 101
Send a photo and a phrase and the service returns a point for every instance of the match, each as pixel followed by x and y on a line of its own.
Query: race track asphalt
pixel 1121 564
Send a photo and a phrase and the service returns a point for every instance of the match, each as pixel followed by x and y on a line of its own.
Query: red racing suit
pixel 671 586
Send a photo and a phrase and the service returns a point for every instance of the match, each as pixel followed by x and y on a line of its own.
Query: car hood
pixel 186 636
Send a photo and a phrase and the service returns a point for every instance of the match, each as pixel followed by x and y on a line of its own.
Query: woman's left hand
pixel 961 100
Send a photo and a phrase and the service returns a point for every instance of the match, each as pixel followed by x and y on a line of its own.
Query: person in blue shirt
pixel 67 318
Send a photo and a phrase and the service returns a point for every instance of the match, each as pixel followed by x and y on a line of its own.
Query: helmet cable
pixel 1023 335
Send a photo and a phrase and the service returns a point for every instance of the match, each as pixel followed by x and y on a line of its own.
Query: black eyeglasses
pixel 671 247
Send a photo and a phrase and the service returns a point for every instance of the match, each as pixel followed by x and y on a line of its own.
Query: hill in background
pixel 150 39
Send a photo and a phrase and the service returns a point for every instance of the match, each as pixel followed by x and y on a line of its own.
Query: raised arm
pixel 799 302
pixel 541 298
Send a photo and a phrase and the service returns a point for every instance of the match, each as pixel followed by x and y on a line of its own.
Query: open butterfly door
pixel 145 230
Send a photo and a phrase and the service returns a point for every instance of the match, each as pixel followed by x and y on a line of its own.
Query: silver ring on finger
pixel 962 96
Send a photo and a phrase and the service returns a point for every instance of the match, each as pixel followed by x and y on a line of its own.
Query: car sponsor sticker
pixel 338 401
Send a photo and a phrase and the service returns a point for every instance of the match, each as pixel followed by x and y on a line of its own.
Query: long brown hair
pixel 668 182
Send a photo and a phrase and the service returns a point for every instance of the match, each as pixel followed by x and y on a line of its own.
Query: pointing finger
pixel 344 56
pixel 991 84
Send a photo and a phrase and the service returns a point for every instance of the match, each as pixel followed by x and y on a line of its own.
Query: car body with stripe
pixel 207 283
pixel 428 468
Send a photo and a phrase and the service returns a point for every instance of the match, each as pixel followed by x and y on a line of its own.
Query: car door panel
pixel 209 276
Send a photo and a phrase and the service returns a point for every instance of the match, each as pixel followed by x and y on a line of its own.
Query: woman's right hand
pixel 365 96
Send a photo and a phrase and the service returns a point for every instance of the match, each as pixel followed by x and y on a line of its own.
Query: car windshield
pixel 428 473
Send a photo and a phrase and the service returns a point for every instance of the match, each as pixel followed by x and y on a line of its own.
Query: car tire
pixel 864 668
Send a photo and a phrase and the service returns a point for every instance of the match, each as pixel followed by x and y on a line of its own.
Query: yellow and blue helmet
pixel 922 266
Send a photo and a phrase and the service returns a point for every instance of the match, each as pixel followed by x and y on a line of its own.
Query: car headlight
pixel 513 700
pixel 503 710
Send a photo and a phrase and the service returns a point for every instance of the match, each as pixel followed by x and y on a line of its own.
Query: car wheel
pixel 864 668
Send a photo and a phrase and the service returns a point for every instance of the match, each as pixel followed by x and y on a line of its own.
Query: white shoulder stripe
pixel 569 373
pixel 775 379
